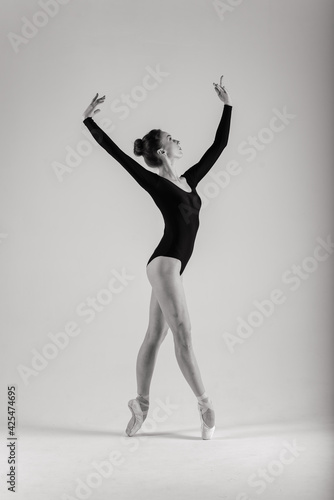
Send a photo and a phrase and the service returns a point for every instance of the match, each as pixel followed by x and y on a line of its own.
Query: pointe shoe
pixel 207 432
pixel 138 416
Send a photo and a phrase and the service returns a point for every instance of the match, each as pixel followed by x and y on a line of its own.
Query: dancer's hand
pixel 91 111
pixel 222 92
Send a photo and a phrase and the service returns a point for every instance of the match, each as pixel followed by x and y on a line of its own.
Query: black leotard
pixel 179 208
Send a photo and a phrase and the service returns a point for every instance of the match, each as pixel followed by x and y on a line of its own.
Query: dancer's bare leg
pixel 156 332
pixel 163 274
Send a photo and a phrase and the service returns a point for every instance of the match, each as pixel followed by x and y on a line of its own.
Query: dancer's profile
pixel 177 199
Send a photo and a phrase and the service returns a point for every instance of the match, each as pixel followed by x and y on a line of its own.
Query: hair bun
pixel 138 147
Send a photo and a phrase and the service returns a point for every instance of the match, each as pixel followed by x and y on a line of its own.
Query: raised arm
pixel 195 173
pixel 146 179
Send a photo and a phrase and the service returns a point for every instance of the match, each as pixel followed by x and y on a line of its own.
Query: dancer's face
pixel 172 146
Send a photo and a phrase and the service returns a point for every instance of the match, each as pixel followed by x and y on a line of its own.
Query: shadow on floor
pixel 221 433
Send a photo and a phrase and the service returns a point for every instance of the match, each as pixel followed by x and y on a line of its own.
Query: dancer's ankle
pixel 204 398
pixel 145 399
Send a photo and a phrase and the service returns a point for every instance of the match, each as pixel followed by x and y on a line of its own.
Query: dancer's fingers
pixel 223 89
pixel 221 79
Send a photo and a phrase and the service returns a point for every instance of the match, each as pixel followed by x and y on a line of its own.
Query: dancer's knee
pixel 182 335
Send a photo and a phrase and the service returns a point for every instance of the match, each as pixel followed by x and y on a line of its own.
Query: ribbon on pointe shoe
pixel 205 405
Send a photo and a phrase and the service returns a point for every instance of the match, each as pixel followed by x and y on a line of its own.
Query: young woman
pixel 180 204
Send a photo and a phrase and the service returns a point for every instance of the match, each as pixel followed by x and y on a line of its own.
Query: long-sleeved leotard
pixel 179 208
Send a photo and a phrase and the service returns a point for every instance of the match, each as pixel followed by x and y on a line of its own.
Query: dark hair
pixel 147 147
